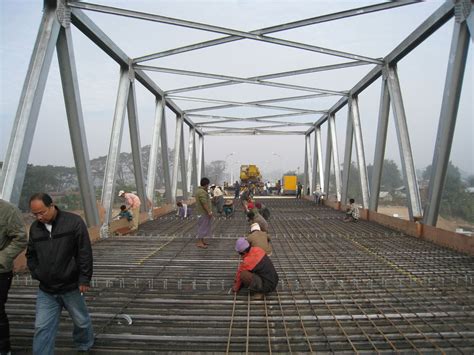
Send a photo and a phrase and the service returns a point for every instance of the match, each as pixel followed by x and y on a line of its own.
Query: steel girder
pixel 19 147
pixel 113 155
pixel 218 29
pixel 380 144
pixel 357 129
pixel 158 127
pixel 192 161
pixel 447 119
pixel 135 144
pixel 346 167
pixel 406 155
pixel 176 159
pixel 308 165
pixel 277 28
pixel 72 100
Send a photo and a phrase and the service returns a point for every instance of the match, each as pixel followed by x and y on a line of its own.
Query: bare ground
pixel 443 223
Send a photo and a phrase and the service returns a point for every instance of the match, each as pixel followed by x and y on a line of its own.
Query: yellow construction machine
pixel 250 175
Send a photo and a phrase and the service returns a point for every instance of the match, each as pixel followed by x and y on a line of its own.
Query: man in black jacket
pixel 59 256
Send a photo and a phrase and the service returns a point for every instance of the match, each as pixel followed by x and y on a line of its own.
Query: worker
pixel 253 217
pixel 183 210
pixel 352 212
pixel 218 198
pixel 236 190
pixel 256 270
pixel 133 204
pixel 298 191
pixel 244 196
pixel 204 213
pixel 263 210
pixel 260 239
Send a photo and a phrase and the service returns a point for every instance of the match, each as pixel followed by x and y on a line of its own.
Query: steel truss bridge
pixel 344 288
pixel 55 33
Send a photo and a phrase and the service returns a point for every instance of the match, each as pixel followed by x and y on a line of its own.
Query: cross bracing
pixel 289 111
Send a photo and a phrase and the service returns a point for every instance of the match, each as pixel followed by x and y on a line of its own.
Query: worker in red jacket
pixel 256 270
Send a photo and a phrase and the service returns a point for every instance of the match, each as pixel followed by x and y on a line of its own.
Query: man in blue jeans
pixel 59 255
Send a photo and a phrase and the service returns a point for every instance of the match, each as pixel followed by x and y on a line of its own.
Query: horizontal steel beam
pixel 256 118
pixel 203 124
pixel 283 27
pixel 234 78
pixel 236 103
pixel 276 125
pixel 273 76
pixel 218 29
pixel 253 132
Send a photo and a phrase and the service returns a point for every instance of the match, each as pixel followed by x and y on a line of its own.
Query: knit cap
pixel 241 244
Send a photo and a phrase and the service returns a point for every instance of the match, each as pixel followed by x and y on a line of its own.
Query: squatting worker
pixel 256 270
pixel 260 239
pixel 12 242
pixel 59 256
pixel 204 213
pixel 133 203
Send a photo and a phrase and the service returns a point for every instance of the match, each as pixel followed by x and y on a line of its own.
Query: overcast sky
pixel 422 74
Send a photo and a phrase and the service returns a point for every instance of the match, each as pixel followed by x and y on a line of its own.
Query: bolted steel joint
pixel 462 10
pixel 63 12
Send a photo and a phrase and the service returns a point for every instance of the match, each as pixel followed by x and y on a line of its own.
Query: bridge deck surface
pixel 344 287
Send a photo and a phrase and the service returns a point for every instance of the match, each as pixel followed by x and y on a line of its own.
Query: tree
pixel 455 201
pixel 37 179
pixel 391 177
pixel 215 171
pixel 470 181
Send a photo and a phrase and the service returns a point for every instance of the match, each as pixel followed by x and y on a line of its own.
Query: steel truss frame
pixel 54 32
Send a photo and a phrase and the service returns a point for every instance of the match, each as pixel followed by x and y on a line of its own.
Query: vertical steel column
pixel 447 119
pixel 327 170
pixel 359 143
pixel 347 154
pixel 202 162
pixel 408 166
pixel 19 147
pixel 308 165
pixel 199 164
pixel 164 156
pixel 153 158
pixel 191 169
pixel 177 146
pixel 182 159
pixel 72 100
pixel 319 149
pixel 194 175
pixel 114 150
pixel 314 173
pixel 382 127
pixel 335 155
pixel 135 143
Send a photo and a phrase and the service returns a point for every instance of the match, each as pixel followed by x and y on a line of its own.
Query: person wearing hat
pixel 256 270
pixel 260 239
pixel 257 218
pixel 132 202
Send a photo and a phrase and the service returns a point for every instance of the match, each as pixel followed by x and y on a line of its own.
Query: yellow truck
pixel 289 184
